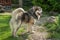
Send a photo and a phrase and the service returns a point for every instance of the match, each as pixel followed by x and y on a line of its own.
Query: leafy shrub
pixel 54 28
pixel 48 5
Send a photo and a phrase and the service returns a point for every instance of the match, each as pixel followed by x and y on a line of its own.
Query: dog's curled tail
pixel 16 12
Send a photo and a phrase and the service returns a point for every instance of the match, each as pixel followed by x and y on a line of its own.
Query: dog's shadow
pixel 21 37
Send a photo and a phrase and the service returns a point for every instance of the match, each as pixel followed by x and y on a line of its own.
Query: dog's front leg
pixel 29 28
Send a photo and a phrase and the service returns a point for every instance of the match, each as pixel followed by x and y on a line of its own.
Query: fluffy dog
pixel 20 16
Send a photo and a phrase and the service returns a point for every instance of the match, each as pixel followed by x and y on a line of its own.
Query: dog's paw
pixel 15 36
pixel 30 32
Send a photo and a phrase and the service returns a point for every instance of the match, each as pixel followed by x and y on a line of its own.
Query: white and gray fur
pixel 20 16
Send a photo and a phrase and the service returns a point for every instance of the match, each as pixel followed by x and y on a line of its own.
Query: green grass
pixel 5 32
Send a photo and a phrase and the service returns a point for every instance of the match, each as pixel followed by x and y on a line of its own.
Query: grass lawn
pixel 5 32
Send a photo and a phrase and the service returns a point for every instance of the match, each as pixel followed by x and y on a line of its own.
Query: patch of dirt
pixel 39 33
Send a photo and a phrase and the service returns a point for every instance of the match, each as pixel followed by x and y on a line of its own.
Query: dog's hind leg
pixel 16 27
pixel 11 26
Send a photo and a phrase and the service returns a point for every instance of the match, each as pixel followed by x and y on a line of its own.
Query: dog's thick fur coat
pixel 20 16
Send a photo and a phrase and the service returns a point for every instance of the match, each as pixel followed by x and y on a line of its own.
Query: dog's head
pixel 36 11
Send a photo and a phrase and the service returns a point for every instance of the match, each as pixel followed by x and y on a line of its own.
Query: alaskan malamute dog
pixel 20 16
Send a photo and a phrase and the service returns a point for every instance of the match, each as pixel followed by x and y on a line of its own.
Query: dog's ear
pixel 31 10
